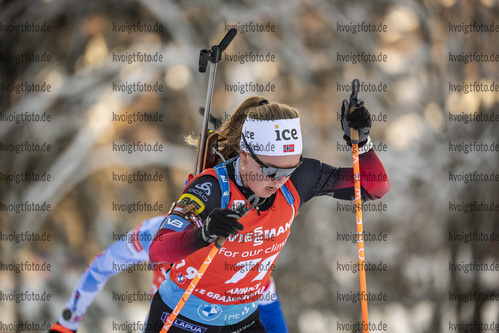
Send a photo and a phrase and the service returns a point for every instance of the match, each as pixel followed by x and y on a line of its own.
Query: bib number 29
pixel 242 269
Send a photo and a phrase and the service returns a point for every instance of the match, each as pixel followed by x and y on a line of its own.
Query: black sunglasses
pixel 270 171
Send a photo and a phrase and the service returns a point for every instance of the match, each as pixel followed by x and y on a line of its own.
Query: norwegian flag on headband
pixel 288 148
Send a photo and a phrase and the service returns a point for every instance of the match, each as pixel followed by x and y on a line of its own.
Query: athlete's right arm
pixel 178 237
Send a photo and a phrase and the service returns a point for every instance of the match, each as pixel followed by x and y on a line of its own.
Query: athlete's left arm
pixel 314 178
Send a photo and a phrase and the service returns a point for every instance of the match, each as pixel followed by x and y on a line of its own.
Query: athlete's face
pixel 262 185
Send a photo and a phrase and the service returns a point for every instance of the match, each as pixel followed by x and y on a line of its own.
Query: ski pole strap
pixel 248 205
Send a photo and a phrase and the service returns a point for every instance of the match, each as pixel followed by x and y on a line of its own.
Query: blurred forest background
pixel 306 74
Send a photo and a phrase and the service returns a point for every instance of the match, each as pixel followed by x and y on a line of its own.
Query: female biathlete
pixel 267 142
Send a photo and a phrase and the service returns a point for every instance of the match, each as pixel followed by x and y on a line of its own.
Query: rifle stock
pixel 207 158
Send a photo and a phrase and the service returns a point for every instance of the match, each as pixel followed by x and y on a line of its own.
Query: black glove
pixel 58 328
pixel 221 223
pixel 359 119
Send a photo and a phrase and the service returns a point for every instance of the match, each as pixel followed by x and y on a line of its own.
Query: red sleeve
pixel 170 246
pixel 373 177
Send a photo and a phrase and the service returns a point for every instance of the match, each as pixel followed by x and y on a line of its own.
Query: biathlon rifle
pixel 205 156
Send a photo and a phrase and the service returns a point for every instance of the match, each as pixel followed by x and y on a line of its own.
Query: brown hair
pixel 254 107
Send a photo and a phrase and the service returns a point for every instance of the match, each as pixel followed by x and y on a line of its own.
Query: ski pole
pixel 240 210
pixel 354 136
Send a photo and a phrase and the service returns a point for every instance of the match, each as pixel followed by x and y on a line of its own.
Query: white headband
pixel 272 137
